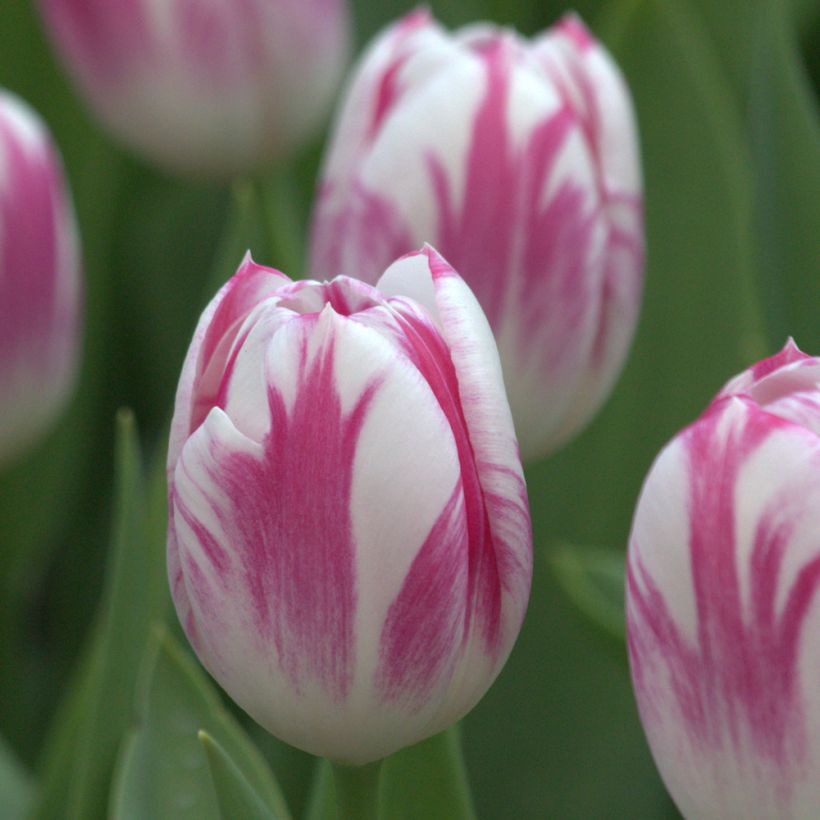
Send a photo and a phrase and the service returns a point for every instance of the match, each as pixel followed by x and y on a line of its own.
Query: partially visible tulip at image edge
pixel 723 599
pixel 349 542
pixel 40 280
pixel 202 88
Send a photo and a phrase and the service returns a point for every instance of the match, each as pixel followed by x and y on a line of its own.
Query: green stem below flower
pixel 357 791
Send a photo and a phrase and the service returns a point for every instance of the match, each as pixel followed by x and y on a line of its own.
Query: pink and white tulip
pixel 723 599
pixel 209 88
pixel 40 287
pixel 349 544
pixel 519 161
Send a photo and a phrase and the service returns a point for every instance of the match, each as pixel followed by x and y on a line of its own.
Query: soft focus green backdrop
pixel 727 99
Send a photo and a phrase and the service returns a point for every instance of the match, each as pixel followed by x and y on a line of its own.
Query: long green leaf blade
pixel 163 771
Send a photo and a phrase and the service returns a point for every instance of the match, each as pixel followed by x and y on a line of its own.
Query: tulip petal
pixel 214 335
pixel 723 662
pixel 307 538
pixel 40 282
pixel 501 542
pixel 529 184
pixel 151 72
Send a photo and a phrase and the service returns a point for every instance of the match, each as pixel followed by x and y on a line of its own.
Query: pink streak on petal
pixel 358 237
pixel 789 354
pixel 389 90
pixel 765 383
pixel 507 560
pixel 572 27
pixel 38 329
pixel 221 42
pixel 430 354
pixel 246 288
pixel 424 624
pixel 29 247
pixel 508 235
pixel 289 524
pixel 103 44
pixel 802 407
pixel 740 678
pixel 221 342
pixel 488 569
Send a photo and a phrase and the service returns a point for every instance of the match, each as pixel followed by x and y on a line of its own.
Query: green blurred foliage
pixel 87 734
pixel 164 770
pixel 726 95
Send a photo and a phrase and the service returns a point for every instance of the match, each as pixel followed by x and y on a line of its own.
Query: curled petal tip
pixel 417 18
pixel 575 29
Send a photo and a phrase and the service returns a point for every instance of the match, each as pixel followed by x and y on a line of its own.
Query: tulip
pixel 40 287
pixel 519 161
pixel 210 88
pixel 723 599
pixel 349 544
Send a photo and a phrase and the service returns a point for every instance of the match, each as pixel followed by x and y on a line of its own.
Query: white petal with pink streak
pixel 405 466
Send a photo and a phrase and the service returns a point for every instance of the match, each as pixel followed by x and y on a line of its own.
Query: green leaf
pixel 427 781
pixel 16 788
pixel 785 139
pixel 593 579
pixel 234 794
pixel 163 771
pixel 97 710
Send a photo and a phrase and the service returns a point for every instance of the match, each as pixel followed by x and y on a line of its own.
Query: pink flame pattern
pixel 547 234
pixel 729 687
pixel 268 540
pixel 40 289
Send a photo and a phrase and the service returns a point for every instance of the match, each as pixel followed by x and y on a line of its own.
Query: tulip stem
pixel 357 791
pixel 279 208
pixel 241 233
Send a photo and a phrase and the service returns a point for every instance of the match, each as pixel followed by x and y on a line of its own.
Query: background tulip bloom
pixel 519 161
pixel 40 288
pixel 349 543
pixel 214 87
pixel 723 599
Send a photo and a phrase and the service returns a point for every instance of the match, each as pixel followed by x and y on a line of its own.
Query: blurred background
pixel 727 101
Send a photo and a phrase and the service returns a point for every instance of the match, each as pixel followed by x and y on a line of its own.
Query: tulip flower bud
pixel 210 88
pixel 519 161
pixel 349 545
pixel 40 288
pixel 723 599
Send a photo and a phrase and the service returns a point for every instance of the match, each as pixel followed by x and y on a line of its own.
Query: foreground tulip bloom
pixel 723 599
pixel 349 545
pixel 213 88
pixel 519 161
pixel 40 288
